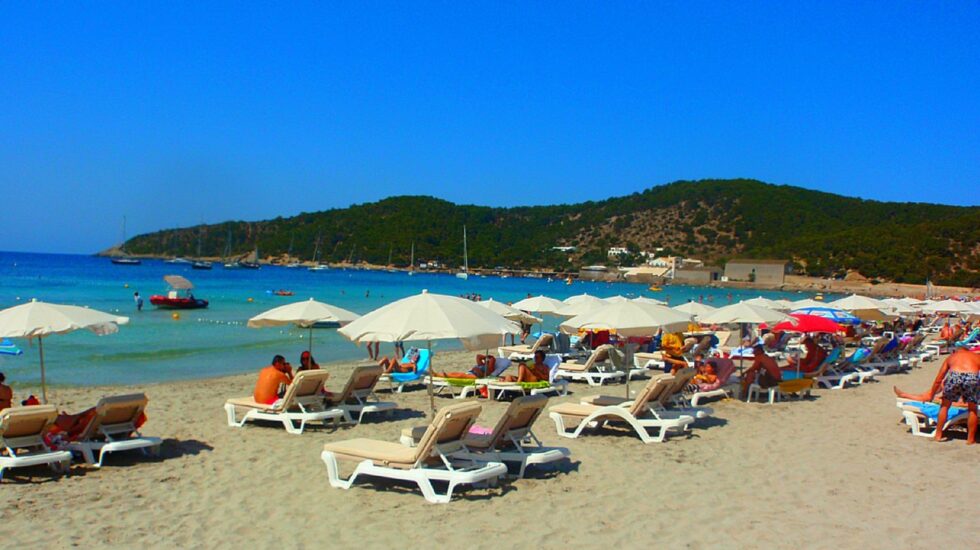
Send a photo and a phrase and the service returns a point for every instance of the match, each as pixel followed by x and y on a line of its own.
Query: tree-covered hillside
pixel 710 219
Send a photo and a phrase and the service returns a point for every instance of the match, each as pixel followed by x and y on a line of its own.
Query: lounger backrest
pixel 114 410
pixel 681 379
pixel 30 421
pixel 725 369
pixel 362 380
pixel 600 355
pixel 499 366
pixel 651 392
pixel 543 342
pixel 306 383
pixel 448 428
pixel 517 419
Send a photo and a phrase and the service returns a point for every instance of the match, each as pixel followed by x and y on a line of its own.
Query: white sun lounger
pixel 544 343
pixel 113 429
pixel 430 461
pixel 303 402
pixel 511 440
pixel 572 419
pixel 590 371
pixel 358 397
pixel 22 431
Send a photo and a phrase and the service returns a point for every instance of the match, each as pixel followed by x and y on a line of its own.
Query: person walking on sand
pixel 138 300
pixel 959 380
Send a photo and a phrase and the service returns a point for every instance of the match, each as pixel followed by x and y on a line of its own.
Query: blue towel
pixel 931 410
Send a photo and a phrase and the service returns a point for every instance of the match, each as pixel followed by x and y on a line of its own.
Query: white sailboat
pixel 465 274
pixel 317 266
pixel 411 263
pixel 124 259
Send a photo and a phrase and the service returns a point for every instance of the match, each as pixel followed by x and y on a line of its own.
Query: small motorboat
pixel 177 261
pixel 126 261
pixel 319 267
pixel 179 296
pixel 249 265
pixel 200 264
pixel 282 292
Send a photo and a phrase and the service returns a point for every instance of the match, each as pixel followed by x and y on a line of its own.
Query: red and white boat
pixel 179 296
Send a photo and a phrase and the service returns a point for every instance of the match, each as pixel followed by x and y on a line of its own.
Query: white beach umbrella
pixel 583 304
pixel 539 304
pixel 40 319
pixel 744 313
pixel 898 306
pixel 431 317
pixel 616 299
pixel 645 300
pixel 629 319
pixel 856 302
pixel 697 309
pixel 766 303
pixel 508 312
pixel 947 306
pixel 303 314
pixel 578 298
pixel 806 302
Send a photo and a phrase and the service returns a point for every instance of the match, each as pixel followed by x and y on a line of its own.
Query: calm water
pixel 215 341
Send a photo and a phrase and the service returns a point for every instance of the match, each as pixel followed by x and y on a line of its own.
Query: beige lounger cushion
pixel 382 453
pixel 252 404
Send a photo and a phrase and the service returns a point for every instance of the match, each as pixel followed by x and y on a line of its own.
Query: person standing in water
pixel 139 301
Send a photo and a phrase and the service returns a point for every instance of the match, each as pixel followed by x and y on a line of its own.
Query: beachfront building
pixel 700 275
pixel 770 272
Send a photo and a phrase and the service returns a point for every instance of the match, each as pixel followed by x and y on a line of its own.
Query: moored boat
pixel 179 296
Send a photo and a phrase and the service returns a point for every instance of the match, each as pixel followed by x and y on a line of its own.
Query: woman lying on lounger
pixel 485 365
pixel 409 365
pixel 537 372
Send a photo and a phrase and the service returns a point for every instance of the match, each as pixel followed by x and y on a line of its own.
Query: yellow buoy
pixel 250 300
pixel 175 316
pixel 126 285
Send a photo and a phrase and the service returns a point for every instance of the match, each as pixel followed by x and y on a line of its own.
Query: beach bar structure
pixel 772 272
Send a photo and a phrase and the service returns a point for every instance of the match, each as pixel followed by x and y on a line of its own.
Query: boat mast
pixel 466 261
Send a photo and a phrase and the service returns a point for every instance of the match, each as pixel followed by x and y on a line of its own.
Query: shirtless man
pixel 959 380
pixel 271 379
pixel 764 368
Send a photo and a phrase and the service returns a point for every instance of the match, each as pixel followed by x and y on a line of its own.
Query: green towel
pixel 534 385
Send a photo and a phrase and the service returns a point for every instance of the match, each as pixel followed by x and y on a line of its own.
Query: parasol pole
pixel 432 399
pixel 44 389
pixel 310 348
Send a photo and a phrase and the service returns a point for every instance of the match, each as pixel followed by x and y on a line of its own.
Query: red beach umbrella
pixel 807 323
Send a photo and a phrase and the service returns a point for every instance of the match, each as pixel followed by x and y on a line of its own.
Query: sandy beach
pixel 834 471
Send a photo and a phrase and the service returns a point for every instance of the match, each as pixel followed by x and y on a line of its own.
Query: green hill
pixel 714 220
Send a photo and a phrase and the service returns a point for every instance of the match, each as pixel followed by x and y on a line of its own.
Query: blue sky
pixel 176 113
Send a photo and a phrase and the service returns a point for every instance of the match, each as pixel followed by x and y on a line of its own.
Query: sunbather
pixel 6 394
pixel 67 427
pixel 763 371
pixel 306 362
pixel 272 381
pixel 537 372
pixel 706 373
pixel 485 364
pixel 959 380
pixel 815 354
pixel 409 364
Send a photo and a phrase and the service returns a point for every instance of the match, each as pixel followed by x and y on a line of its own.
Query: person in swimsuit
pixel 672 352
pixel 537 372
pixel 272 380
pixel 764 370
pixel 814 356
pixel 485 365
pixel 409 365
pixel 6 394
pixel 306 362
pixel 959 381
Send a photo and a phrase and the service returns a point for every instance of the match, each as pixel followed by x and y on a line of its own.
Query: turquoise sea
pixel 215 341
